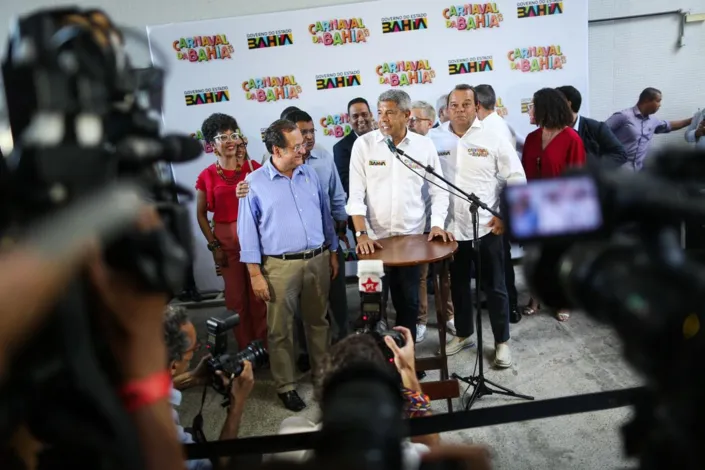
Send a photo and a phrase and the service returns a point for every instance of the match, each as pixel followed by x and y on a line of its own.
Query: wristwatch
pixel 360 233
pixel 214 245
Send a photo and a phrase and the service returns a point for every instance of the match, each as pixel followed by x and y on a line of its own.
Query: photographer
pixel 132 323
pixel 180 338
pixel 361 349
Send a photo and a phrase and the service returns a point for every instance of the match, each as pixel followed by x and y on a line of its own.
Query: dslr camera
pixel 231 365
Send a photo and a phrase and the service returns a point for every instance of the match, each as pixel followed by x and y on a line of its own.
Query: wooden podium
pixel 411 250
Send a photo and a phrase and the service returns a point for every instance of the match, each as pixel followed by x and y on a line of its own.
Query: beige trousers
pixel 423 296
pixel 295 284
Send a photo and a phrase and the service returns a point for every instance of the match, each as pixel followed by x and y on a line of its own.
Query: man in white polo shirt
pixel 386 200
pixel 491 121
pixel 477 161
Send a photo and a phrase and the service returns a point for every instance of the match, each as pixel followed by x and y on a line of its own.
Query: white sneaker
pixel 455 345
pixel 420 333
pixel 503 356
pixel 450 326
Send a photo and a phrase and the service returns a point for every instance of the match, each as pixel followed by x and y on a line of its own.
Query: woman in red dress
pixel 216 193
pixel 551 149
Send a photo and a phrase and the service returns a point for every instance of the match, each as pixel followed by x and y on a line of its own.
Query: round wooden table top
pixel 410 250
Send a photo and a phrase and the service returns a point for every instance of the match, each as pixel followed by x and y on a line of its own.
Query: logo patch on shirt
pixel 444 153
pixel 413 165
pixel 475 152
pixel 377 163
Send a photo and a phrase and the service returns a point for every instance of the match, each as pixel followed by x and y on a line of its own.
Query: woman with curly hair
pixel 550 149
pixel 216 193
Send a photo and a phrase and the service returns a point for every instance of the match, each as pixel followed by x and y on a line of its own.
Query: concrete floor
pixel 551 359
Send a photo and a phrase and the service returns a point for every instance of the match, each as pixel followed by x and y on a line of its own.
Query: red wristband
pixel 147 391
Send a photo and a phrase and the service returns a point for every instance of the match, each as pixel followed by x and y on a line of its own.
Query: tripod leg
pixel 505 391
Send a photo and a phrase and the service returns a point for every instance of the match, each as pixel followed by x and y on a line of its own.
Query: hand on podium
pixel 437 232
pixel 365 245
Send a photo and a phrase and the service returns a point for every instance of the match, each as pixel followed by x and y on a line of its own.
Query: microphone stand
pixel 481 385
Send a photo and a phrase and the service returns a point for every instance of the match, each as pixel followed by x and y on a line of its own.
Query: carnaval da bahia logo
pixel 203 48
pixel 472 16
pixel 207 146
pixel 403 73
pixel 339 32
pixel 537 59
pixel 272 88
pixel 500 108
pixel 471 65
pixel 207 96
pixel 336 125
pixel 399 24
pixel 283 37
pixel 338 80
pixel 534 8
pixel 525 102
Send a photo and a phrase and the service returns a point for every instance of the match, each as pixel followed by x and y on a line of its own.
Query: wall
pixel 625 56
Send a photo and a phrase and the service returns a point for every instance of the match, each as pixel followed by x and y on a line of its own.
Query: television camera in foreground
pixel 609 243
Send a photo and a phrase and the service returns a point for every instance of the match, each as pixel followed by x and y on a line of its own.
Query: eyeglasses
pixel 235 137
pixel 296 148
pixel 414 120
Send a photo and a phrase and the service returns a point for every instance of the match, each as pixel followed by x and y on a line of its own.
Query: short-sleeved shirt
pixel 221 199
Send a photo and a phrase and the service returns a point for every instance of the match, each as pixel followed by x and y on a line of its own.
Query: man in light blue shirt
pixel 695 134
pixel 286 237
pixel 324 165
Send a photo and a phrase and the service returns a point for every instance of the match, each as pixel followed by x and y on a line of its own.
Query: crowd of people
pixel 276 232
pixel 278 228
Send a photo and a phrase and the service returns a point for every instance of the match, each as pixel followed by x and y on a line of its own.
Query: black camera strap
pixel 197 424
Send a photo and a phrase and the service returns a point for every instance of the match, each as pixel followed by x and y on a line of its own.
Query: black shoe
pixel 303 363
pixel 514 315
pixel 292 401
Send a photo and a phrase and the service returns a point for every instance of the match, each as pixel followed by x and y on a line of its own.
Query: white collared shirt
pixel 576 126
pixel 496 123
pixel 480 162
pixel 387 192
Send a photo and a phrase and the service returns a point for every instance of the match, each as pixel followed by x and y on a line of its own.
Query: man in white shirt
pixel 487 100
pixel 493 122
pixel 441 110
pixel 421 121
pixel 481 162
pixel 386 200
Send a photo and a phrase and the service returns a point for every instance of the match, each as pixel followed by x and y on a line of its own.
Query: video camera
pixel 230 365
pixel 82 126
pixel 609 243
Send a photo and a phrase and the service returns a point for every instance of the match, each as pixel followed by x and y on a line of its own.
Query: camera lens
pixel 255 353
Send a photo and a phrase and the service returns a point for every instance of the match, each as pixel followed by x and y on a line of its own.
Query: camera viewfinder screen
pixel 553 208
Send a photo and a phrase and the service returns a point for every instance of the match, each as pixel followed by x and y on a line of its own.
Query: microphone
pixel 392 148
pixel 369 274
pixel 397 151
pixel 171 148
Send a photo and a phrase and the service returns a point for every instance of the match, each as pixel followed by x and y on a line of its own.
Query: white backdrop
pixel 318 59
